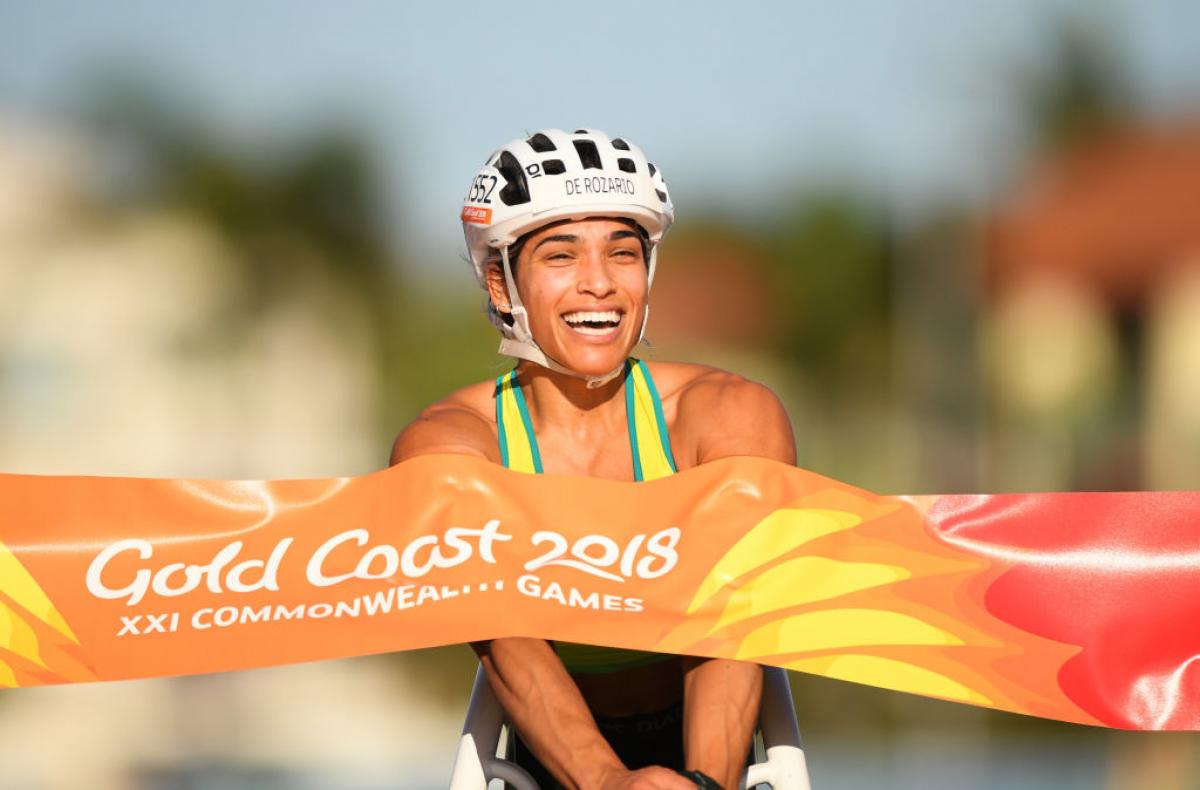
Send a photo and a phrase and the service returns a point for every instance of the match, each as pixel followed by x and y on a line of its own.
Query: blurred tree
pixel 309 206
pixel 1083 89
pixel 829 261
pixel 939 387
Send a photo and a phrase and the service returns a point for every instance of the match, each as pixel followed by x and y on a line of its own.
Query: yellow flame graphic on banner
pixel 17 634
pixel 889 673
pixel 776 535
pixel 753 592
pixel 840 628
pixel 804 580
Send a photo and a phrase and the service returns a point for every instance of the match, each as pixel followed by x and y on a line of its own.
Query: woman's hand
pixel 652 778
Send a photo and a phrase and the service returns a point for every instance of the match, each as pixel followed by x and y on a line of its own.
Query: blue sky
pixel 740 105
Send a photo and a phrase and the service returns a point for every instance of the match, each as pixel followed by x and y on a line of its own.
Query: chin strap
pixel 531 352
pixel 518 340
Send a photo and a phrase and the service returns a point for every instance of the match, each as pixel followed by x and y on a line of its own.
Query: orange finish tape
pixel 1079 607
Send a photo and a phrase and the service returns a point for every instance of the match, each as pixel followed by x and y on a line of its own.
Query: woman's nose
pixel 595 277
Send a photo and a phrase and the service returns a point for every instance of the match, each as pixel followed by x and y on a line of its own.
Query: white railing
pixel 782 767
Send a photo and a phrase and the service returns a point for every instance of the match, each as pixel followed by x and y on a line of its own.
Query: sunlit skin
pixel 598 265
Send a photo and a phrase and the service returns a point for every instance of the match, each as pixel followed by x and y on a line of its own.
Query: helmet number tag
pixel 481 189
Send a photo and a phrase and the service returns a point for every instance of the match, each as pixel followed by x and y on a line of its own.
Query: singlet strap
pixel 652 458
pixel 648 436
pixel 518 445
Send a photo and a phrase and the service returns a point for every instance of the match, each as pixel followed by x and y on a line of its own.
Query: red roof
pixel 1116 212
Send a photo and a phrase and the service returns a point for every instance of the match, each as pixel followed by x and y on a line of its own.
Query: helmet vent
pixel 516 188
pixel 653 169
pixel 541 143
pixel 626 165
pixel 589 155
pixel 581 131
pixel 553 167
pixel 620 144
pixel 661 195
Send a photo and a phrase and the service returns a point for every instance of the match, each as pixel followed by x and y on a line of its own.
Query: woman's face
pixel 584 285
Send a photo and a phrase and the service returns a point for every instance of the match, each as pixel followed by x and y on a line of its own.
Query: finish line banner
pixel 1081 607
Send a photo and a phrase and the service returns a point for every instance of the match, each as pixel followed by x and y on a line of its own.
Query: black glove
pixel 702 780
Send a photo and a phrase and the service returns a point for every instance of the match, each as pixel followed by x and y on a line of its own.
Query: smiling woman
pixel 563 230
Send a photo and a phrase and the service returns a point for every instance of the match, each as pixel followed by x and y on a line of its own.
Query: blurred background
pixel 960 240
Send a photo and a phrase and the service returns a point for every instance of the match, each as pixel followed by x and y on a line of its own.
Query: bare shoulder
pixel 460 423
pixel 721 414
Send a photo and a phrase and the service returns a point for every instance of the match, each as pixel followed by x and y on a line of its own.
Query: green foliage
pixel 305 213
pixel 830 265
pixel 1082 90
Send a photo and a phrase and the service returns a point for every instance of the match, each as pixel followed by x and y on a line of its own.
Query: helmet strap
pixel 649 282
pixel 520 316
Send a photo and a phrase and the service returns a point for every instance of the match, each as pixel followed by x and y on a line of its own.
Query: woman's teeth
pixel 593 322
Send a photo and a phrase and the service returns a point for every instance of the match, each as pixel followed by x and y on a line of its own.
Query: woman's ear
pixel 497 288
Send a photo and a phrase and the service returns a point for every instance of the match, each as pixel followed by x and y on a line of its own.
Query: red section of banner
pixel 1117 574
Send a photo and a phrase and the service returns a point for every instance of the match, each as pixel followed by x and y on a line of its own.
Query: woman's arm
pixel 446 428
pixel 736 417
pixel 722 696
pixel 526 675
pixel 721 700
pixel 545 706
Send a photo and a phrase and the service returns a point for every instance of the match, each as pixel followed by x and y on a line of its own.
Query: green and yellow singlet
pixel 652 459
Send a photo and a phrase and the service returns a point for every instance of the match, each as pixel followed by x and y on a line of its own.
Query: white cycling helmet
pixel 550 176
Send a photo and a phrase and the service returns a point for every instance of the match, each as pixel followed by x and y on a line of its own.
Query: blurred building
pixel 120 352
pixel 1094 270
